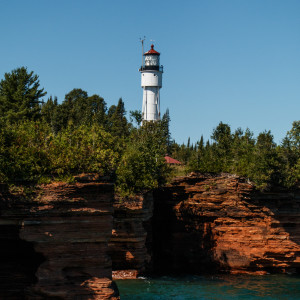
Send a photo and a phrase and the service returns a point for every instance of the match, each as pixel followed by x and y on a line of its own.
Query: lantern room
pixel 151 59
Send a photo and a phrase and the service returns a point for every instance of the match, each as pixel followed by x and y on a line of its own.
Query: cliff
pixel 65 241
pixel 131 241
pixel 221 223
pixel 55 246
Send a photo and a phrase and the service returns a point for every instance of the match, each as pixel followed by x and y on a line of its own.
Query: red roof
pixel 152 51
pixel 170 160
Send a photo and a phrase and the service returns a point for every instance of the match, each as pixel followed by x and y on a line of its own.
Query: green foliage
pixel 82 149
pixel 260 159
pixel 222 147
pixel 80 135
pixel 31 152
pixel 243 145
pixel 117 122
pixel 290 155
pixel 77 109
pixel 52 141
pixel 142 165
pixel 20 96
pixel 264 170
pixel 293 137
pixel 165 123
pixel 197 161
pixel 23 151
pixel 136 116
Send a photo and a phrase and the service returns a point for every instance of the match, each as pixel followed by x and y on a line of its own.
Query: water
pixel 211 287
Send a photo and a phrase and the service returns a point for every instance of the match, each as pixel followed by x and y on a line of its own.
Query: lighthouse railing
pixel 154 68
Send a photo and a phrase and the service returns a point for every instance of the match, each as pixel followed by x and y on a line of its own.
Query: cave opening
pixel 181 243
pixel 19 263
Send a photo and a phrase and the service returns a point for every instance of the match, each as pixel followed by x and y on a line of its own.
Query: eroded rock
pixel 69 225
pixel 205 223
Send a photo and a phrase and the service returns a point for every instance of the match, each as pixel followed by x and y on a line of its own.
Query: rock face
pixel 65 242
pixel 131 241
pixel 58 243
pixel 220 223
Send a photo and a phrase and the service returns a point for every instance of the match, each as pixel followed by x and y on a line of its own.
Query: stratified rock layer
pixel 67 227
pixel 131 241
pixel 220 223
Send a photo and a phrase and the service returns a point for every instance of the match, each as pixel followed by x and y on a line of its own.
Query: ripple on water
pixel 225 287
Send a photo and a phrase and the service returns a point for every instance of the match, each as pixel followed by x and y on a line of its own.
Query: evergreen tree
pixel 292 139
pixel 20 96
pixel 51 114
pixel 242 152
pixel 264 170
pixel 166 128
pixel 48 109
pixel 222 147
pixel 188 143
pixel 290 155
pixel 117 122
pixel 197 161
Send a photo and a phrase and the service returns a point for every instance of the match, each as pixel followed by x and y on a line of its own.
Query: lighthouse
pixel 151 81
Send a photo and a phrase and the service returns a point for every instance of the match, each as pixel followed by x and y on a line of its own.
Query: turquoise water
pixel 211 287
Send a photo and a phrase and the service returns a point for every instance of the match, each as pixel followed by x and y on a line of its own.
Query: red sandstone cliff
pixel 207 223
pixel 64 231
pixel 60 245
pixel 131 241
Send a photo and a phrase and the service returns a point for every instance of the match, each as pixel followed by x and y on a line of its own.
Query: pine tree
pixel 20 96
pixel 264 170
pixel 222 147
pixel 117 122
pixel 166 128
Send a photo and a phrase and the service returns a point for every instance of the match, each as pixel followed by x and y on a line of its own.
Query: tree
pixel 264 169
pixel 75 107
pixel 97 110
pixel 222 147
pixel 51 114
pixel 117 122
pixel 136 116
pixel 20 95
pixel 197 161
pixel 142 165
pixel 290 155
pixel 292 138
pixel 242 151
pixel 166 127
pixel 222 135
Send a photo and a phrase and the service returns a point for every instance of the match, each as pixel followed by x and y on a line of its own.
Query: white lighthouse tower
pixel 151 81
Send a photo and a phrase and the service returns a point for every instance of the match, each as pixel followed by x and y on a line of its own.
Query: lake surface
pixel 211 287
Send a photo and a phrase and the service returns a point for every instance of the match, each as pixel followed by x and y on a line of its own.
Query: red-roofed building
pixel 172 161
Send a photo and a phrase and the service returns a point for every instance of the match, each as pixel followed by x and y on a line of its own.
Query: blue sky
pixel 233 61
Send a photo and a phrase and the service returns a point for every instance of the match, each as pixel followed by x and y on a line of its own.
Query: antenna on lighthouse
pixel 142 41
